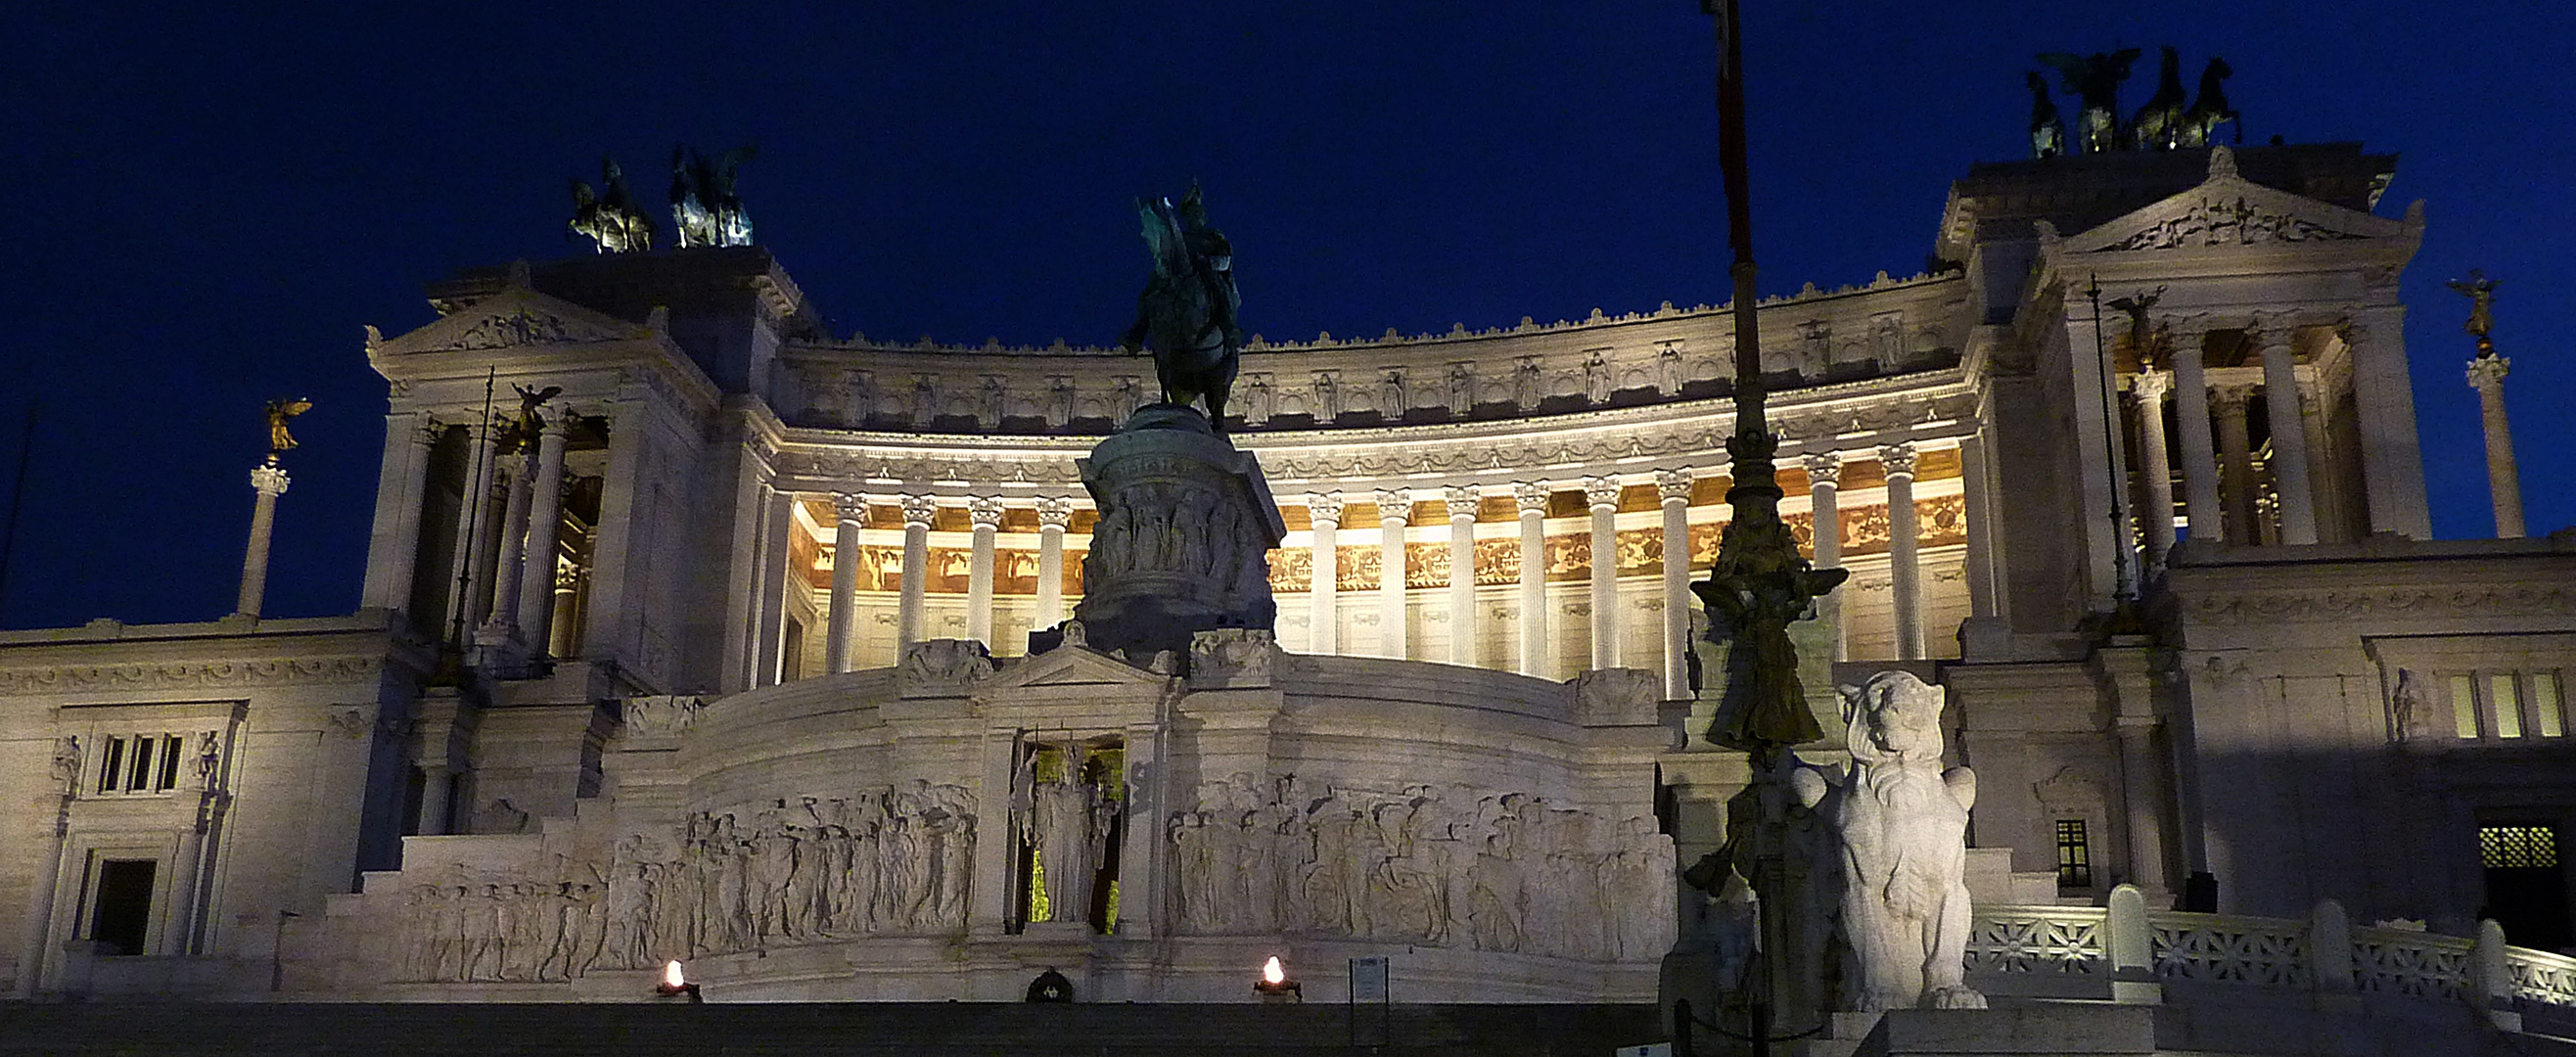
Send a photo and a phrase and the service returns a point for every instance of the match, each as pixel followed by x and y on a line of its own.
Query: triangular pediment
pixel 1071 666
pixel 2229 211
pixel 517 316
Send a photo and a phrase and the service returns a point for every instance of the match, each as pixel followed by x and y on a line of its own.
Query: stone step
pixel 801 1030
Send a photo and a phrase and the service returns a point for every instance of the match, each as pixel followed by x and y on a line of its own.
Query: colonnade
pixel 2222 499
pixel 1396 511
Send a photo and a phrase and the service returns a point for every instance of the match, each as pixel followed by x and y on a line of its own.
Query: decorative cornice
pixel 2403 600
pixel 159 675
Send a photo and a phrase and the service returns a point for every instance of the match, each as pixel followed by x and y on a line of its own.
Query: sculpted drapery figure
pixel 1899 825
pixel 1069 820
pixel 1187 315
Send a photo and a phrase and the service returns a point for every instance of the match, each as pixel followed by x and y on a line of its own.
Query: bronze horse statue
pixel 2159 124
pixel 610 218
pixel 1186 315
pixel 2047 130
pixel 2210 110
pixel 2096 80
pixel 703 204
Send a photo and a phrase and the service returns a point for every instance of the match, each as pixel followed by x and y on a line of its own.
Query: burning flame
pixel 1272 974
pixel 671 976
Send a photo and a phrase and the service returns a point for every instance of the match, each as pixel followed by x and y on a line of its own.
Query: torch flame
pixel 671 975
pixel 1272 973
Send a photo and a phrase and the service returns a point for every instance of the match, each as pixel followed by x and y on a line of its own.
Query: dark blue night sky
pixel 206 207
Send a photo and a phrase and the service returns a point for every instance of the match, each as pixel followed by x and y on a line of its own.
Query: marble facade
pixel 732 663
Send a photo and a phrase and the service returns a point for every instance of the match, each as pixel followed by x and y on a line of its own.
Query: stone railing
pixel 2138 951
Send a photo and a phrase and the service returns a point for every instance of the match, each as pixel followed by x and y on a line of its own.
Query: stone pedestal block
pixel 1182 546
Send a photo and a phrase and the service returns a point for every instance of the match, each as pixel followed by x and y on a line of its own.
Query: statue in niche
pixel 610 217
pixel 2047 129
pixel 1898 824
pixel 2158 125
pixel 703 204
pixel 2209 109
pixel 1187 315
pixel 2096 80
pixel 1070 821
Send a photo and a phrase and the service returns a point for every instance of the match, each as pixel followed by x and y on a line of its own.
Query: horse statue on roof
pixel 2209 109
pixel 2159 124
pixel 2096 80
pixel 1187 313
pixel 703 203
pixel 609 217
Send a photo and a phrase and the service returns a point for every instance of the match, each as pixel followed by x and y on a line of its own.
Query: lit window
pixel 2517 847
pixel 2464 706
pixel 2507 704
pixel 2074 855
pixel 2547 710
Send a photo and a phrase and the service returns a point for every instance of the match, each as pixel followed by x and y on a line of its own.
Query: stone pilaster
pixel 393 547
pixel 1394 507
pixel 1904 569
pixel 2391 460
pixel 919 512
pixel 1323 588
pixel 1532 497
pixel 2154 471
pixel 985 513
pixel 1602 495
pixel 267 482
pixel 1462 503
pixel 850 515
pixel 2504 483
pixel 1673 487
pixel 2297 494
pixel 1825 527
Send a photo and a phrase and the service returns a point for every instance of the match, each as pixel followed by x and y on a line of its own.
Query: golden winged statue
pixel 278 412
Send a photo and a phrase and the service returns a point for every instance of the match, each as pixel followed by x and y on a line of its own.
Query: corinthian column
pixel 1904 573
pixel 2486 375
pixel 268 482
pixel 2289 436
pixel 850 514
pixel 919 511
pixel 1532 498
pixel 1674 487
pixel 2199 461
pixel 2236 458
pixel 1603 495
pixel 1054 516
pixel 2155 472
pixel 545 519
pixel 986 514
pixel 1324 517
pixel 1462 504
pixel 1825 528
pixel 1394 506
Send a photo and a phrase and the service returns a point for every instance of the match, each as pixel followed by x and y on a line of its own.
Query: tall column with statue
pixel 2486 375
pixel 268 481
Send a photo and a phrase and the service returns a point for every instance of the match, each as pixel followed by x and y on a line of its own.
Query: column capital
pixel 1394 504
pixel 2270 330
pixel 2151 387
pixel 849 506
pixel 920 510
pixel 268 479
pixel 1055 513
pixel 2487 372
pixel 1824 468
pixel 1601 492
pixel 1897 458
pixel 2230 399
pixel 1674 486
pixel 985 512
pixel 1324 508
pixel 1531 495
pixel 1462 501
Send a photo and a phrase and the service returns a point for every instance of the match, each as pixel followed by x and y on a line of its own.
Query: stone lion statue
pixel 1899 850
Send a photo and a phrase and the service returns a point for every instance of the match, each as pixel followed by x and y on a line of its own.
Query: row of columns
pixel 1395 508
pixel 505 593
pixel 2228 459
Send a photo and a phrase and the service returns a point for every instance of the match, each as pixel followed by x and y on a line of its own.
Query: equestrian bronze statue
pixel 1186 316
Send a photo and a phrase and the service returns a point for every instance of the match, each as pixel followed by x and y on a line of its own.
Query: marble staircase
pixel 101 1029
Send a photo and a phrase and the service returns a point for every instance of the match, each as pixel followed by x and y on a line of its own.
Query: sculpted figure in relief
pixel 1070 821
pixel 1899 827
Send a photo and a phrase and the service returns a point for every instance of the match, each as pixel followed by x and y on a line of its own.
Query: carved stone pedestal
pixel 1182 546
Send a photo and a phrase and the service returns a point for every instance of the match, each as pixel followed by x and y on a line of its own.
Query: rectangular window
pixel 2464 706
pixel 2074 855
pixel 2508 706
pixel 111 766
pixel 2547 710
pixel 2517 847
pixel 138 763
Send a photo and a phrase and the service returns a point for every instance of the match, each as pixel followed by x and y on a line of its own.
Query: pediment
pixel 2228 210
pixel 517 316
pixel 1072 666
